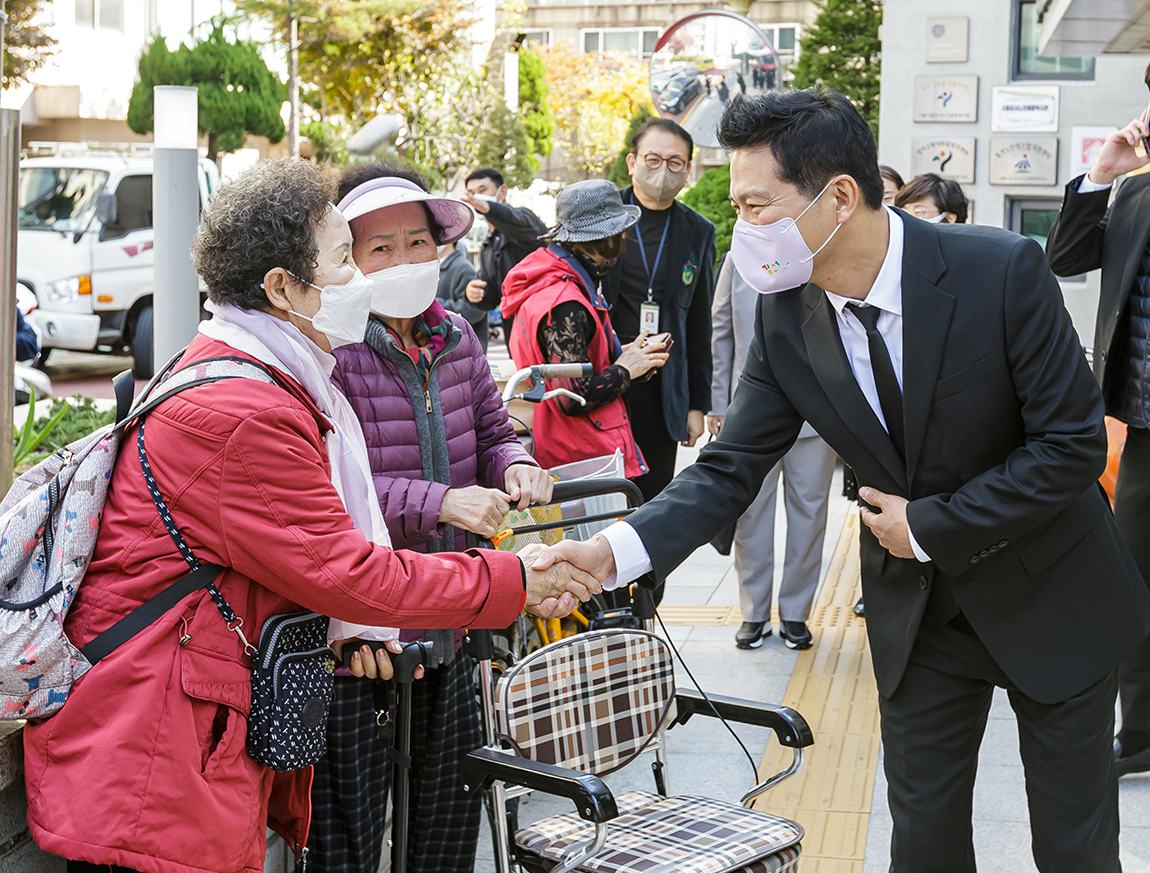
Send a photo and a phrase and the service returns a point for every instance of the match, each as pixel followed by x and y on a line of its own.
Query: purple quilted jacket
pixel 415 456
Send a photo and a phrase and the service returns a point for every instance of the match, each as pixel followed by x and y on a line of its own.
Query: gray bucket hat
pixel 591 210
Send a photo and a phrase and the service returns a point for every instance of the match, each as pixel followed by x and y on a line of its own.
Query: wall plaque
pixel 946 40
pixel 946 98
pixel 949 157
pixel 1017 108
pixel 1024 160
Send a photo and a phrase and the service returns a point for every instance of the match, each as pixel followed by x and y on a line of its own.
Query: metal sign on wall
pixel 949 157
pixel 1024 160
pixel 946 98
pixel 1018 108
pixel 1085 144
pixel 946 40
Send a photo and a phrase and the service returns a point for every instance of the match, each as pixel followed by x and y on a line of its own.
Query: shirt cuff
pixel 346 630
pixel 631 558
pixel 1088 187
pixel 922 556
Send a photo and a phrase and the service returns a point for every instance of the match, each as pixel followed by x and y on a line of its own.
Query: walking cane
pixel 404 663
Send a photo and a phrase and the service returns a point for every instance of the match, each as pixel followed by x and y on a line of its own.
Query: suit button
pixel 974 559
pixel 984 553
pixel 922 582
pixel 1002 544
pixel 993 549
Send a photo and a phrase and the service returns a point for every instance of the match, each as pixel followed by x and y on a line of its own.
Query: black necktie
pixel 889 394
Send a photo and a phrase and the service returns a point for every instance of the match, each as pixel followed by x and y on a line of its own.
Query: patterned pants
pixel 349 794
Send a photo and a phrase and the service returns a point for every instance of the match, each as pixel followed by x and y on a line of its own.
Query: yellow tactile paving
pixel 833 687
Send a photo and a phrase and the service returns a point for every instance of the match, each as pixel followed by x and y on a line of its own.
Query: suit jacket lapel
pixel 829 361
pixel 926 314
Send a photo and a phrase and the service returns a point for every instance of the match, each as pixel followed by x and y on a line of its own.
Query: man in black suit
pixel 1088 235
pixel 964 404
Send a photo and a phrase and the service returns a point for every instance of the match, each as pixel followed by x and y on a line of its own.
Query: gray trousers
pixel 807 470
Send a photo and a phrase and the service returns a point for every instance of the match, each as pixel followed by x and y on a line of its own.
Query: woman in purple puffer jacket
pixel 445 460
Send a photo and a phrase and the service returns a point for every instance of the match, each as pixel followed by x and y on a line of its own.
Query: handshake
pixel 565 574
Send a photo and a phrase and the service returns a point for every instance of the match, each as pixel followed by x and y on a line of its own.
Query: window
pixel 133 207
pixel 536 37
pixel 785 38
pixel 85 13
pixel 1034 217
pixel 111 15
pixel 105 14
pixel 633 42
pixel 1027 63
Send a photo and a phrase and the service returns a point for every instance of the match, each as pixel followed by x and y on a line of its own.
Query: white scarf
pixel 280 344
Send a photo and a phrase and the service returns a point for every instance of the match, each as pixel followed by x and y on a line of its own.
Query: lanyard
pixel 651 270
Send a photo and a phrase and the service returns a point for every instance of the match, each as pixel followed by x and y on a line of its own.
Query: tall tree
pixel 538 122
pixel 842 50
pixel 238 94
pixel 504 144
pixel 27 45
pixel 593 102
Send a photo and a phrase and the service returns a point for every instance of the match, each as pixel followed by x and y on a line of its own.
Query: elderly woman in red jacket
pixel 145 768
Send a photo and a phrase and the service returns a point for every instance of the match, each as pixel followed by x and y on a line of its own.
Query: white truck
pixel 84 246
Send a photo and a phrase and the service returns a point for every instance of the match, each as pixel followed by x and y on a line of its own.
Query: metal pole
pixel 293 85
pixel 175 200
pixel 9 175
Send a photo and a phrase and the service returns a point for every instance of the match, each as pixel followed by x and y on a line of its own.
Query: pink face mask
pixel 774 257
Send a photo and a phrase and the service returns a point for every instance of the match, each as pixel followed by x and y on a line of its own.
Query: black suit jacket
pixel 1088 235
pixel 1005 442
pixel 686 377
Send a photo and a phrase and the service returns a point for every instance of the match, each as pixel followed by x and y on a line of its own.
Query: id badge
pixel 649 318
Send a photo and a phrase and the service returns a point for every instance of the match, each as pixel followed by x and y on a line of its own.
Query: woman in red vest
pixel 560 317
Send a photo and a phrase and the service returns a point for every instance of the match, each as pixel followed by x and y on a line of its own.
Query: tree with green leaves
pixel 618 172
pixel 842 50
pixel 238 94
pixel 538 122
pixel 27 45
pixel 363 57
pixel 711 198
pixel 504 145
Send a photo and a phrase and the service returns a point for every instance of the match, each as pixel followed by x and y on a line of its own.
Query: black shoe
pixel 1134 762
pixel 859 610
pixel 795 634
pixel 752 633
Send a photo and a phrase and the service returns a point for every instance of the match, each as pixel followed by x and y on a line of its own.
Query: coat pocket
pixel 963 380
pixel 1062 533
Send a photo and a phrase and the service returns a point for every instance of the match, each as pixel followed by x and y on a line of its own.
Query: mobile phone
pixel 1142 150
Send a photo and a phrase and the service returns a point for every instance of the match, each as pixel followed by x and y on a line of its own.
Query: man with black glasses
pixel 664 283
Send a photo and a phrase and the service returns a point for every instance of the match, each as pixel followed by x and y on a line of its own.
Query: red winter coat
pixel 538 284
pixel 146 766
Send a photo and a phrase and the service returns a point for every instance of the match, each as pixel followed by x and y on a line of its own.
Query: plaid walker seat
pixel 588 705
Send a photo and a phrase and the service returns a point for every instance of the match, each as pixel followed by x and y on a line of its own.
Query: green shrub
pixel 711 198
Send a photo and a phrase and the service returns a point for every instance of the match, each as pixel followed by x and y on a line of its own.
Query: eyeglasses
pixel 653 161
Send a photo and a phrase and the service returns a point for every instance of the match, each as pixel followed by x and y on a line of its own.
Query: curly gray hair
pixel 264 218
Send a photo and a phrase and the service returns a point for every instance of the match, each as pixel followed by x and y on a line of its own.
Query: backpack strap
pixel 200 373
pixel 202 575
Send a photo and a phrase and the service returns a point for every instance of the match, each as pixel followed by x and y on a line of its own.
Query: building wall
pixel 1114 96
pixel 565 20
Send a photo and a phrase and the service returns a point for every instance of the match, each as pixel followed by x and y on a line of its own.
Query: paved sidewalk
pixel 704 759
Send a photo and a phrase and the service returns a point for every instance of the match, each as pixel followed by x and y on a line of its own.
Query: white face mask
pixel 405 290
pixel 938 219
pixel 343 310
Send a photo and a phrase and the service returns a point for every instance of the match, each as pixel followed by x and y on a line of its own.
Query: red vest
pixel 559 438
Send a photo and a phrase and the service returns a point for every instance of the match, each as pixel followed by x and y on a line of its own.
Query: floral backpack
pixel 49 522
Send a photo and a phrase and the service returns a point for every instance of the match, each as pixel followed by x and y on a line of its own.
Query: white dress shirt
pixel 631 557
